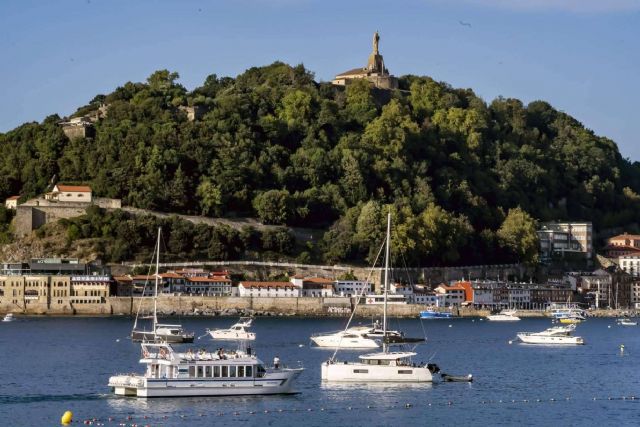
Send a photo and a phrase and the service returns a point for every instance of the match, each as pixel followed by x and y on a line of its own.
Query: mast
pixel 386 284
pixel 155 293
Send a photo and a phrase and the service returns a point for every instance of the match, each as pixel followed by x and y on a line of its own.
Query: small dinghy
pixel 457 378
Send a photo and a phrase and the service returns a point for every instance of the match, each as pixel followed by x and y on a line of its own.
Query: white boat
pixel 354 338
pixel 504 316
pixel 173 374
pixel 626 322
pixel 557 335
pixel 160 332
pixel 384 366
pixel 568 314
pixel 238 331
pixel 9 317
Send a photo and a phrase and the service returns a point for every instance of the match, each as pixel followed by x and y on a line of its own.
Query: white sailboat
pixel 159 331
pixel 384 366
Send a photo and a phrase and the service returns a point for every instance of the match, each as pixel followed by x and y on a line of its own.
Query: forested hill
pixel 277 145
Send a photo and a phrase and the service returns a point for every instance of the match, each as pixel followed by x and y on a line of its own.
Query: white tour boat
pixel 557 335
pixel 504 316
pixel 9 317
pixel 159 331
pixel 201 373
pixel 384 366
pixel 238 331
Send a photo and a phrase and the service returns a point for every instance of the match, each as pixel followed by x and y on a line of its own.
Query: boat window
pixel 200 371
pixel 240 371
pixel 232 371
pixel 192 371
pixel 405 371
pixel 360 371
pixel 249 371
pixel 225 371
pixel 207 371
pixel 216 371
pixel 260 372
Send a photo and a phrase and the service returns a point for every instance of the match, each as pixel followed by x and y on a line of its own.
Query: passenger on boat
pixel 276 362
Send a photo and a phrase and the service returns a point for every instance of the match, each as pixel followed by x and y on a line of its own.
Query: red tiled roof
pixel 144 277
pixel 123 278
pixel 317 280
pixel 74 188
pixel 625 236
pixel 170 275
pixel 267 285
pixel 208 279
pixel 13 197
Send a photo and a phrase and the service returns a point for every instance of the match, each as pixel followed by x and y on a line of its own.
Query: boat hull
pixel 330 341
pixel 233 336
pixel 550 340
pixel 280 382
pixel 435 315
pixel 364 373
pixel 150 336
pixel 502 318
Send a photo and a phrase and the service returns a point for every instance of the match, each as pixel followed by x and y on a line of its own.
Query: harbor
pixel 73 375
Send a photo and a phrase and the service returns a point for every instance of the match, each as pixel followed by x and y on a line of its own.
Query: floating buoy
pixel 300 345
pixel 451 326
pixel 609 326
pixel 66 418
pixel 117 339
pixel 510 341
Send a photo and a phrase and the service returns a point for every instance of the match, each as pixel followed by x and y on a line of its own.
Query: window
pixel 249 371
pixel 200 371
pixel 207 371
pixel 216 371
pixel 360 371
pixel 232 371
pixel 225 371
pixel 405 371
pixel 240 371
pixel 192 371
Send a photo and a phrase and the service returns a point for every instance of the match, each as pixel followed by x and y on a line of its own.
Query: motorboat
pixel 435 314
pixel 556 335
pixel 159 332
pixel 237 331
pixel 201 373
pixel 626 322
pixel 356 337
pixel 568 315
pixel 385 366
pixel 504 316
pixel 9 317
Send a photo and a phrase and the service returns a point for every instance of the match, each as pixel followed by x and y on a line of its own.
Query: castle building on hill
pixel 375 71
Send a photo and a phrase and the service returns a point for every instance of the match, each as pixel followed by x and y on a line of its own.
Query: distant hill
pixel 274 144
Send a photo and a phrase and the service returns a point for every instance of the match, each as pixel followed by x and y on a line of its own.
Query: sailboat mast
pixel 386 282
pixel 155 293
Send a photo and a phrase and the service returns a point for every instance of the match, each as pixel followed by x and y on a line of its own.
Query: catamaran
pixel 159 331
pixel 385 366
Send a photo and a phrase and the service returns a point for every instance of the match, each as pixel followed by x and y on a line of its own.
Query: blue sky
pixel 582 56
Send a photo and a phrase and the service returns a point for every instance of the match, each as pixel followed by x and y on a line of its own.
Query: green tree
pixel 518 235
pixel 273 206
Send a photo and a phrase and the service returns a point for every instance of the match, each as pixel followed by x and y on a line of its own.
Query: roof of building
pixel 13 197
pixel 123 278
pixel 171 275
pixel 74 188
pixel 267 285
pixel 144 277
pixel 208 279
pixel 625 236
pixel 317 280
pixel 353 72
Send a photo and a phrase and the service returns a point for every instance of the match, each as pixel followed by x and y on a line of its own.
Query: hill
pixel 465 180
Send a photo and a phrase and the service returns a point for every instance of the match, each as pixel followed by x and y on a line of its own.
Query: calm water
pixel 50 365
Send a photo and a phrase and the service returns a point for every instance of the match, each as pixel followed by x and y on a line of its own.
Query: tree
pixel 518 234
pixel 273 206
pixel 210 198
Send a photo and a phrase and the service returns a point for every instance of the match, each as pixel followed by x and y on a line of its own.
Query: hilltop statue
pixel 376 39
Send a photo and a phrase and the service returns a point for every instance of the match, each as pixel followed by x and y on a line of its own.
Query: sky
pixel 581 56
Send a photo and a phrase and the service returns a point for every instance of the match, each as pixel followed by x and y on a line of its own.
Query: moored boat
pixel 504 316
pixel 237 332
pixel 9 317
pixel 557 335
pixel 435 314
pixel 626 322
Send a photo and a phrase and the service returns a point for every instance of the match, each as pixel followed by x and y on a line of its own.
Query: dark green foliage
pixel 274 144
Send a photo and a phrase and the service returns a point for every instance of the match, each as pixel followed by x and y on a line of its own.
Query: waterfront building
pixel 70 193
pixel 172 283
pixel 352 288
pixel 558 238
pixel 622 244
pixel 209 286
pixel 630 264
pixel 268 289
pixel 450 295
pixel 11 202
pixel 47 266
pixel 89 289
pixel 123 285
pixel 14 269
pixel 375 72
pixel 635 294
pixel 192 272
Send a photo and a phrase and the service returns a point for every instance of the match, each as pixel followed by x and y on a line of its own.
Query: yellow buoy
pixel 66 418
